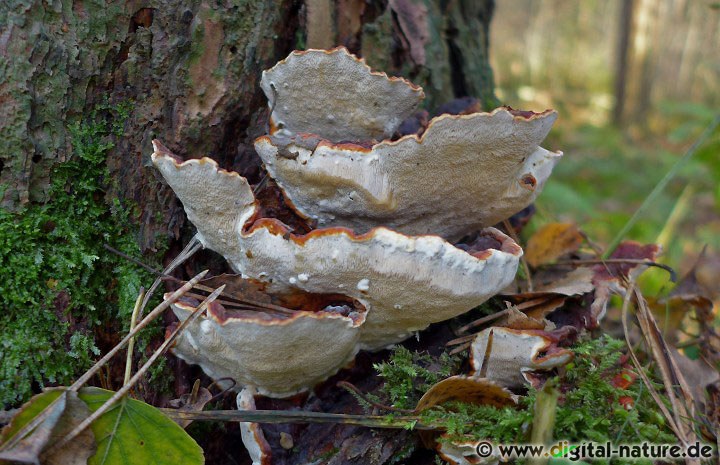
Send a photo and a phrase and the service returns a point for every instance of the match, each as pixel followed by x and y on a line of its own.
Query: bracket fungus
pixel 510 356
pixel 252 435
pixel 336 96
pixel 464 172
pixel 406 283
pixel 368 217
pixel 278 355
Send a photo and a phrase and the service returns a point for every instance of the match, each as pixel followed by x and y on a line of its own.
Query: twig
pixel 127 257
pixel 124 390
pixel 221 393
pixel 293 416
pixel 660 186
pixel 460 348
pixel 486 319
pixel 511 232
pixel 31 425
pixel 193 246
pixel 361 395
pixel 131 344
pixel 144 322
pixel 601 261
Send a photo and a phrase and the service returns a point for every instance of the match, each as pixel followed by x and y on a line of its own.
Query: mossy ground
pixel 61 288
pixel 589 407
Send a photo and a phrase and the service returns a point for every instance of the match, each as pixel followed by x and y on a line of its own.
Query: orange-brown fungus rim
pixel 421 138
pixel 277 227
pixel 340 49
pixel 507 244
pixel 550 346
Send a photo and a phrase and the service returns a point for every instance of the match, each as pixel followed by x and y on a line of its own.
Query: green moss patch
pixel 60 286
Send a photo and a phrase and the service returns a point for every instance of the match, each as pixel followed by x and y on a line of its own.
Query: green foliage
pixel 60 284
pixel 589 408
pixel 408 375
pixel 504 425
pixel 605 175
pixel 131 431
pixel 135 432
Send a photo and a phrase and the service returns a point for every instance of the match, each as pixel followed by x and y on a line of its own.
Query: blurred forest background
pixel 635 82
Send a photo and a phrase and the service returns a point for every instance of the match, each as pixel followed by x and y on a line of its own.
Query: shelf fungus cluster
pixel 367 214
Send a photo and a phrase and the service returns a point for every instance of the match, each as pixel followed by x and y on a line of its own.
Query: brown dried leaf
pixel 466 389
pixel 698 373
pixel 676 387
pixel 610 277
pixel 552 241
pixel 577 282
pixel 62 417
pixel 515 319
pixel 539 312
pixel 193 401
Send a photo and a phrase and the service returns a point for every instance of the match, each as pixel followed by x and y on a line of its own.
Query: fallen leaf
pixel 135 432
pixel 191 402
pixel 609 278
pixel 63 416
pixel 577 282
pixel 515 319
pixel 539 312
pixel 466 389
pixel 551 242
pixel 687 295
pixel 698 373
pixel 711 425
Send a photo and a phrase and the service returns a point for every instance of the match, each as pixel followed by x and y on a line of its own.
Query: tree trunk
pixel 191 71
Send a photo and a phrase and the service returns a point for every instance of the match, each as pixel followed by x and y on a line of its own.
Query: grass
pixel 605 176
pixel 589 408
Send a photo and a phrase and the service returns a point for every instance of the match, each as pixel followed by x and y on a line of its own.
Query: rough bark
pixel 191 71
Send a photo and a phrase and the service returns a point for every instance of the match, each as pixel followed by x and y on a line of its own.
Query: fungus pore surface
pixel 464 172
pixel 404 282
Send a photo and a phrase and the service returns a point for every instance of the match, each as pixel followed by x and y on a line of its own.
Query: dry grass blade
pixel 144 322
pixel 641 371
pixel 683 405
pixel 660 186
pixel 31 425
pixel 131 344
pixel 246 304
pixel 126 388
pixel 193 246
